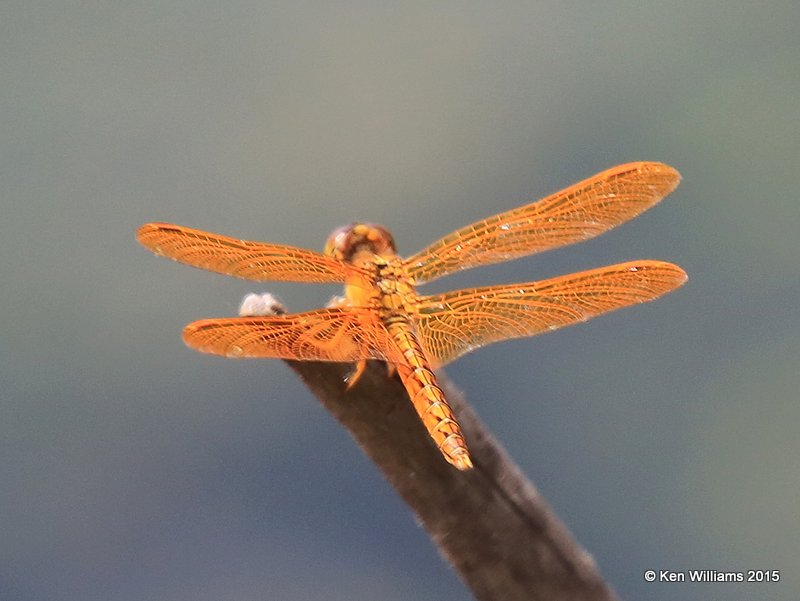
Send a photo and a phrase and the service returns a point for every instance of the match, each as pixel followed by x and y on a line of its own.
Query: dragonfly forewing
pixel 258 261
pixel 577 213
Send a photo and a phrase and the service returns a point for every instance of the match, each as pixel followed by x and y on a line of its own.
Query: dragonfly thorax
pixel 348 241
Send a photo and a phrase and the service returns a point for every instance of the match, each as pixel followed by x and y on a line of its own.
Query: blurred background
pixel 664 435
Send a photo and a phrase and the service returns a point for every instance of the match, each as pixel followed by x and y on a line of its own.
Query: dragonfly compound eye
pixel 345 241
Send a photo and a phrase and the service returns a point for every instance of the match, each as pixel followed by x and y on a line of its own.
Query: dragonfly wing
pixel 337 334
pixel 240 258
pixel 579 212
pixel 455 323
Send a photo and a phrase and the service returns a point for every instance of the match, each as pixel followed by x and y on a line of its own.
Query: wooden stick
pixel 490 522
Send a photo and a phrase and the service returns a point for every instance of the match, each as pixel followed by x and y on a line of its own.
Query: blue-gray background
pixel 664 435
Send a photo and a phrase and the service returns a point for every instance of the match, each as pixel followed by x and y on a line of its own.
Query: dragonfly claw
pixel 354 376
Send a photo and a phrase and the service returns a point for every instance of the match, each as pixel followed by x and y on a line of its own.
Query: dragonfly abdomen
pixel 426 396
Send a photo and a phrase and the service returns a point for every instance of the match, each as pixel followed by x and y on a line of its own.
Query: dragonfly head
pixel 345 242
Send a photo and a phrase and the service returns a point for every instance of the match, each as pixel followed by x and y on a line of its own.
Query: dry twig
pixel 490 523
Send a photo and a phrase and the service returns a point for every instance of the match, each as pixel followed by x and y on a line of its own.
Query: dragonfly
pixel 382 316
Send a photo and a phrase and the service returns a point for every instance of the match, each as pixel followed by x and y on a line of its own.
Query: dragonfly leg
pixel 356 374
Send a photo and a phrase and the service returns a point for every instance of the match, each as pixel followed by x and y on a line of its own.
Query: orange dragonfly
pixel 381 316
